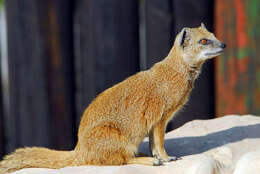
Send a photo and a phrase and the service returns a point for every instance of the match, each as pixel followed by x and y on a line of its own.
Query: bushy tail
pixel 36 158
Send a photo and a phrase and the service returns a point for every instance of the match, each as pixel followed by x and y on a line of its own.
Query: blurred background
pixel 56 56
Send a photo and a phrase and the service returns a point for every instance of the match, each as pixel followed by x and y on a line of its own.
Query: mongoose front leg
pixel 156 142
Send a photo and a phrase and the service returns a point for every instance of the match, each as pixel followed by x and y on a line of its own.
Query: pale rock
pixel 225 145
pixel 249 163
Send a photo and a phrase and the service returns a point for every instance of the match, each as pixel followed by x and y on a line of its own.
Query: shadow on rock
pixel 194 145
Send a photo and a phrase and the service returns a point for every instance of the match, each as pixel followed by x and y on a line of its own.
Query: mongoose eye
pixel 204 41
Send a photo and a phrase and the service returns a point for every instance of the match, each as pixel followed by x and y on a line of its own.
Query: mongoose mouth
pixel 213 54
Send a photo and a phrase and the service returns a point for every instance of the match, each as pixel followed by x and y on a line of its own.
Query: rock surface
pixel 225 145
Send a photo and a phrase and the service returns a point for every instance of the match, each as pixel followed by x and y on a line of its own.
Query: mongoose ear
pixel 203 26
pixel 183 36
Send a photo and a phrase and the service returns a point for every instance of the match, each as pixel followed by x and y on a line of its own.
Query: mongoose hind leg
pixel 150 161
pixel 104 144
pixel 140 154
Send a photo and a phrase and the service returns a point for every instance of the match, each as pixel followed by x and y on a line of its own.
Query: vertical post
pixel 1 125
pixel 238 68
pixel 156 20
pixel 3 78
pixel 1 119
pixel 1 101
pixel 40 66
pixel 106 46
pixel 1 91
pixel 56 30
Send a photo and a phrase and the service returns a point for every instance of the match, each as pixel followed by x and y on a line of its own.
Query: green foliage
pixel 1 3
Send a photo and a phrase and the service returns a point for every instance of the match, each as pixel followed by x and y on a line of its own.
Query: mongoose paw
pixel 157 162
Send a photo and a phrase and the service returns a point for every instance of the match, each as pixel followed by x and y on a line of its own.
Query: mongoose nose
pixel 223 45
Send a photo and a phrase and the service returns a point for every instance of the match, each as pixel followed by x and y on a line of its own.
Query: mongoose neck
pixel 175 59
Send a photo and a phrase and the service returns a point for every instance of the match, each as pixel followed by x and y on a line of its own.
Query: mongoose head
pixel 197 45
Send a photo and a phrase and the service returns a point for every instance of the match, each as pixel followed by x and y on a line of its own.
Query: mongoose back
pixel 116 122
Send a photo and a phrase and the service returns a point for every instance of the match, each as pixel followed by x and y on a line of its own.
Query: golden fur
pixel 117 121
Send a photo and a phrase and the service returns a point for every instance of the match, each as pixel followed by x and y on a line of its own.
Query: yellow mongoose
pixel 116 122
